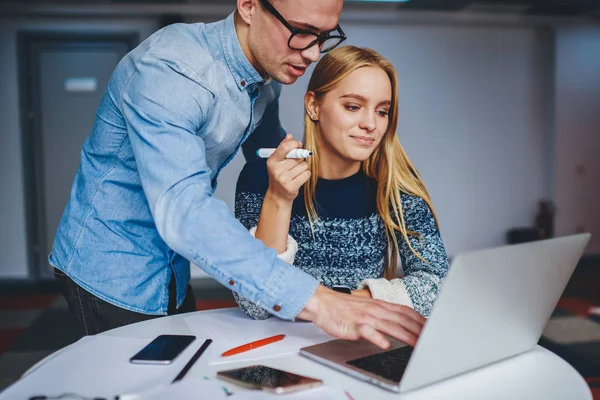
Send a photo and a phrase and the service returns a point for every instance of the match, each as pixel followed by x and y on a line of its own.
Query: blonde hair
pixel 388 164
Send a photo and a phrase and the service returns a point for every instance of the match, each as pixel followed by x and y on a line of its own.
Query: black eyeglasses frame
pixel 319 37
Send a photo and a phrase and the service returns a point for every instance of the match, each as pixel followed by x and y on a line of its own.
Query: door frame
pixel 29 46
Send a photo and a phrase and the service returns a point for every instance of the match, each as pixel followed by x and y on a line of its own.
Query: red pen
pixel 253 345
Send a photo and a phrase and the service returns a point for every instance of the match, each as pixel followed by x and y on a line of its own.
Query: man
pixel 176 110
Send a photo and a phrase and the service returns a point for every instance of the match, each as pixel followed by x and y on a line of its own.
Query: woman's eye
pixel 352 108
pixel 382 113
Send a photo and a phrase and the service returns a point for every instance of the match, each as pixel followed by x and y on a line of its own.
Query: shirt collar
pixel 243 72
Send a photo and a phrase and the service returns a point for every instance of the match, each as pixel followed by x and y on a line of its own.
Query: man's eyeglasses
pixel 302 39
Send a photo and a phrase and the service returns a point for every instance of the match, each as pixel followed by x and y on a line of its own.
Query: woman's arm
pixel 249 194
pixel 422 279
pixel 286 176
pixel 261 200
pixel 274 222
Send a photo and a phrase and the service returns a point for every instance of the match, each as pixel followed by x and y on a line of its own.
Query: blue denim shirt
pixel 176 111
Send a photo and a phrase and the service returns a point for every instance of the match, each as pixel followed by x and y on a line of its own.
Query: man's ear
pixel 311 106
pixel 245 9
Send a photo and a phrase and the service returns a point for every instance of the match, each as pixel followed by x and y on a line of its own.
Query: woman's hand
pixel 286 176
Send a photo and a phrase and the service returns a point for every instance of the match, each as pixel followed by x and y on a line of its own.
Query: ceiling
pixel 529 7
pixel 551 8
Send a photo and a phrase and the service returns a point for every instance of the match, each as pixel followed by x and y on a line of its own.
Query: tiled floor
pixel 35 324
pixel 573 332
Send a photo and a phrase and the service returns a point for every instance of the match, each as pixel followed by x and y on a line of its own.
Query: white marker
pixel 296 153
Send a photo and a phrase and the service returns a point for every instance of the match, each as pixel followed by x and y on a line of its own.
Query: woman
pixel 347 213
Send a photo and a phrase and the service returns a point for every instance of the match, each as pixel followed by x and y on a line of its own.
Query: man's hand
pixel 362 292
pixel 355 317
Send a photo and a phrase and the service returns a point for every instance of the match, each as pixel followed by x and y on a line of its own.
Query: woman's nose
pixel 368 122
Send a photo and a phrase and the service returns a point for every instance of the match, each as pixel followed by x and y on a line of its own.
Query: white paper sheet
pixel 186 389
pixel 101 370
pixel 231 328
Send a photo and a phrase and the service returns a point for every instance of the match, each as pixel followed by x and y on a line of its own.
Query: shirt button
pixel 231 282
pixel 277 308
pixel 243 83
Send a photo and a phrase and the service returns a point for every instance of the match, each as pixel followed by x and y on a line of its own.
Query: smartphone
pixel 268 379
pixel 163 349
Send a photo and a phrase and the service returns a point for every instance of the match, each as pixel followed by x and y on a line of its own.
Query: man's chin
pixel 285 79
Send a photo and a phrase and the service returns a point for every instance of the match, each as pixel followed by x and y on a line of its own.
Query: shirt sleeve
pixel 164 104
pixel 422 279
pixel 248 307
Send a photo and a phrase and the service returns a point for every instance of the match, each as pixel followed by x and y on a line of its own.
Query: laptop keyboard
pixel 389 364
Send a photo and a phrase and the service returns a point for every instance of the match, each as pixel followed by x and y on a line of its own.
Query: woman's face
pixel 353 117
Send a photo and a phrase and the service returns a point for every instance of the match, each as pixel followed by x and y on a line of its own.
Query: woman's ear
pixel 311 106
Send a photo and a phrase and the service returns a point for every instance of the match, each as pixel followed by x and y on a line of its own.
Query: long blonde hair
pixel 388 164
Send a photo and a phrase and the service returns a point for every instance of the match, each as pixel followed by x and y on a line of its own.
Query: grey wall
pixel 577 144
pixel 476 118
pixel 472 119
pixel 13 240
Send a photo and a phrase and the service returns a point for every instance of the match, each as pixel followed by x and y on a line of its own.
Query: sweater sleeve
pixel 392 291
pixel 422 279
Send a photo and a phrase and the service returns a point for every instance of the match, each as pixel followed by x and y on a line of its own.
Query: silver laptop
pixel 494 304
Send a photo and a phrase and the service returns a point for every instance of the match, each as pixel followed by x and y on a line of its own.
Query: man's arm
pixel 163 108
pixel 164 105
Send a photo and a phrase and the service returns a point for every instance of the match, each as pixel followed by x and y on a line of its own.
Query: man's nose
pixel 313 53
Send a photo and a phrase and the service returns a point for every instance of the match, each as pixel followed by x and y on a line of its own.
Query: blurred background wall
pixel 498 109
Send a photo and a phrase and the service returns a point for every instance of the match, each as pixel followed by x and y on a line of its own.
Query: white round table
pixel 537 374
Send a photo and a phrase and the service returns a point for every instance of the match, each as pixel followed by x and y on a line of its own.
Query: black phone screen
pixel 260 376
pixel 163 349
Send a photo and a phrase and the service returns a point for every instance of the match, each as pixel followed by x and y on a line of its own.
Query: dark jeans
pixel 96 315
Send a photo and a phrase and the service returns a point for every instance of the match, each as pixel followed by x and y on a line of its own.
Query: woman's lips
pixel 364 140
